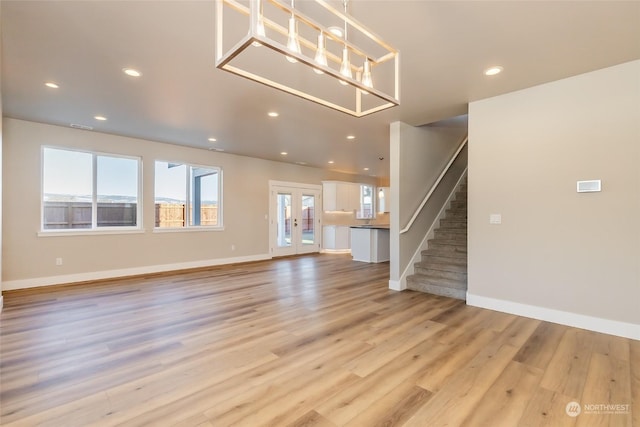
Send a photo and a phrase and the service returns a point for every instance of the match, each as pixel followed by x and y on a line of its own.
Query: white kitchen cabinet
pixel 340 196
pixel 384 201
pixel 336 237
pixel 370 243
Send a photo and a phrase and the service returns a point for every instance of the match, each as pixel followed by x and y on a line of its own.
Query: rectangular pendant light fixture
pixel 311 50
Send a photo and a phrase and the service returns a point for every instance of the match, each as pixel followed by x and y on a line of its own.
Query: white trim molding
pixel 11 285
pixel 398 285
pixel 606 326
pixel 335 251
pixel 1 302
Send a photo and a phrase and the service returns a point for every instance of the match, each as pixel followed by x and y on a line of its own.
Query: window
pixel 366 210
pixel 187 196
pixel 84 190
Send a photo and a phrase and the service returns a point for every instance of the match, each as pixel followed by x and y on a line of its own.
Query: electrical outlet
pixel 58 261
pixel 495 219
pixel 233 247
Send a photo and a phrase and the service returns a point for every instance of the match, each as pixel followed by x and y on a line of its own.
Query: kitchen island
pixel 370 243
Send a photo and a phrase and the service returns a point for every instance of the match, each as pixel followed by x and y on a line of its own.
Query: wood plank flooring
pixel 304 341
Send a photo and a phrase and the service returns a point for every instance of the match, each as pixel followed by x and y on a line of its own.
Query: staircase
pixel 443 268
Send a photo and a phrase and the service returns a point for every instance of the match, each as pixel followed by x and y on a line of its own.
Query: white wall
pixel 29 260
pixel 418 155
pixel 559 255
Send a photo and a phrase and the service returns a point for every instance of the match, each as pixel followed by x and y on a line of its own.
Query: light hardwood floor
pixel 306 341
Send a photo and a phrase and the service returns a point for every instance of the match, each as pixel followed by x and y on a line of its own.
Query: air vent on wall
pixel 591 186
pixel 76 126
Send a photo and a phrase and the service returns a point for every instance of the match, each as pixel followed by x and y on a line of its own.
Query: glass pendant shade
pixel 293 43
pixel 366 74
pixel 345 67
pixel 321 54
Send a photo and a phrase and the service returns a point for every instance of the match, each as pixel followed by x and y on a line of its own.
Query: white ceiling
pixel 183 99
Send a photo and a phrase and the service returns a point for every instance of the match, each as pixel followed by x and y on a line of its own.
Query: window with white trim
pixel 187 195
pixel 366 210
pixel 86 190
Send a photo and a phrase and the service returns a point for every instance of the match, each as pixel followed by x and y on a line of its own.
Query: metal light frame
pixel 253 12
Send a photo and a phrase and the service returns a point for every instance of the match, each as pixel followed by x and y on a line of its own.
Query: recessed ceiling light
pixel 283 153
pixel 493 71
pixel 101 118
pixel 336 31
pixel 330 162
pixel 366 169
pixel 131 72
pixel 273 114
pixel 52 85
pixel 351 137
pixel 212 140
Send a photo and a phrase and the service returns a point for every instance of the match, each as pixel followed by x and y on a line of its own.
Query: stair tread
pixel 460 276
pixel 437 290
pixel 445 254
pixel 458 232
pixel 460 238
pixel 440 281
pixel 442 266
pixel 448 242
pixel 447 249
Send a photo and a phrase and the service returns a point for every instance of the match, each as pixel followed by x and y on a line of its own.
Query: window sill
pixel 187 229
pixel 87 232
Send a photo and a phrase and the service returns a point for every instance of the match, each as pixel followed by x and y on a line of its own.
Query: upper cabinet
pixel 384 203
pixel 340 196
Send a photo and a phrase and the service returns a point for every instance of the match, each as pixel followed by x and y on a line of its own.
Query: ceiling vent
pixel 85 127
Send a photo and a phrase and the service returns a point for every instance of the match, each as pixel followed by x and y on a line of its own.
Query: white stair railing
pixel 435 185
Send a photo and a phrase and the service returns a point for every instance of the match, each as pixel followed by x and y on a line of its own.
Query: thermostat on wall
pixel 589 186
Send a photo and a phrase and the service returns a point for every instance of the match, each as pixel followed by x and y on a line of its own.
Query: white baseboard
pixel 606 326
pixel 110 274
pixel 398 285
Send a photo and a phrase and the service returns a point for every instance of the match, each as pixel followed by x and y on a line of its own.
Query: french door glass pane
pixel 283 237
pixel 308 219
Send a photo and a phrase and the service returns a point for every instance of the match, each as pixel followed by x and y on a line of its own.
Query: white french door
pixel 295 218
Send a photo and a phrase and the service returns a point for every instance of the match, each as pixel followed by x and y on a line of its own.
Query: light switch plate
pixel 495 219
